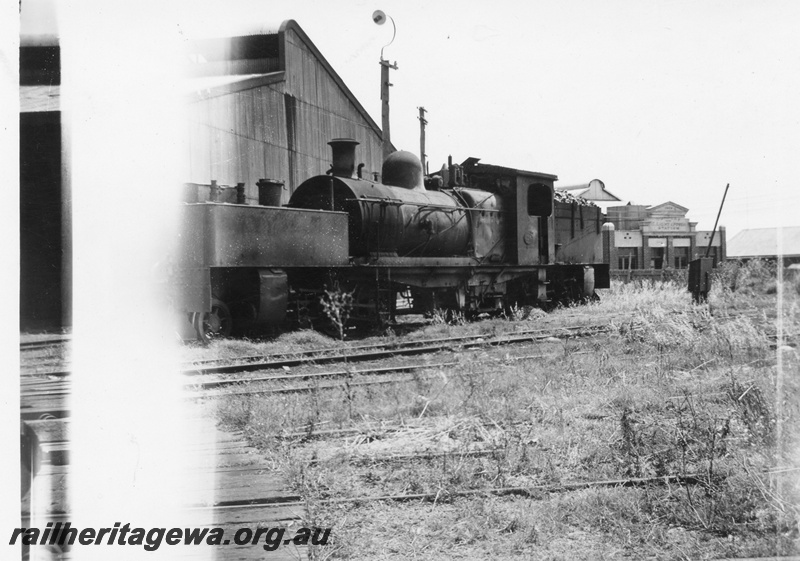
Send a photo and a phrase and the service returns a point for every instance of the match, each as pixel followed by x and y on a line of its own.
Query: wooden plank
pixel 268 488
pixel 257 515
pixel 226 469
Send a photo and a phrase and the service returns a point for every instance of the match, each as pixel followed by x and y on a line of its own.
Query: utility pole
pixel 385 84
pixel 379 17
pixel 422 123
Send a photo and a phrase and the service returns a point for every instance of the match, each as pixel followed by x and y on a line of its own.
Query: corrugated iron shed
pixel 763 243
pixel 266 106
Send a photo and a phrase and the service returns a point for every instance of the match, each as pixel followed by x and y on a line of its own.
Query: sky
pixel 661 100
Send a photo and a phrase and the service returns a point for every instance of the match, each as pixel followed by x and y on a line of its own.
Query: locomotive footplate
pixel 451 271
pixel 465 283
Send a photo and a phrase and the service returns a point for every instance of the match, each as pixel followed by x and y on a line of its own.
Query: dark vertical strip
pixel 544 239
pixel 40 65
pixel 572 221
pixel 42 243
pixel 66 230
pixel 290 110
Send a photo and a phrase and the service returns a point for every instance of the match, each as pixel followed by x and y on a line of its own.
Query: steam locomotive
pixel 472 239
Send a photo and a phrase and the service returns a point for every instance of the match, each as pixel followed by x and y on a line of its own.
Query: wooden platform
pixel 246 490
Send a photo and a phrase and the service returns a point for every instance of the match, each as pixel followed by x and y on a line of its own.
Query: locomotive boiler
pixel 398 217
pixel 473 238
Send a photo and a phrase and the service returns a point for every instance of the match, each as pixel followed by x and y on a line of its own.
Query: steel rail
pixel 381 350
pixel 315 375
pixel 62 390
pixel 342 373
pixel 375 346
pixel 532 492
pixel 328 385
pixel 469 341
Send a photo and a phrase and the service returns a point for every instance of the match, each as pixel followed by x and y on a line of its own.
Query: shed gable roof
pixel 763 242
pixel 595 190
pixel 257 60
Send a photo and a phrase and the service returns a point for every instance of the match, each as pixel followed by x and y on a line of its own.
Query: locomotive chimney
pixel 344 157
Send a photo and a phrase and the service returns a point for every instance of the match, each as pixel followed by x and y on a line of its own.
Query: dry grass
pixel 674 389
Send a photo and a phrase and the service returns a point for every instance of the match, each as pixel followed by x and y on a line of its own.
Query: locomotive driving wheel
pixel 215 324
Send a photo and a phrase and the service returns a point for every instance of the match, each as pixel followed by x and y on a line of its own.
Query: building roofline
pixel 279 76
pixel 585 187
pixel 293 25
pixel 773 228
pixel 761 256
pixel 237 85
pixel 653 207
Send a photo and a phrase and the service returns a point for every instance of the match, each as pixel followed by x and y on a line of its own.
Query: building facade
pixel 658 237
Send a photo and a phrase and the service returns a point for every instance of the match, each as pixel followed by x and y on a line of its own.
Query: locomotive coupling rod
pixel 714 231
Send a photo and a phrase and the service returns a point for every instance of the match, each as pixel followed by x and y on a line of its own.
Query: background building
pixel 657 237
pixel 266 106
pixel 766 243
pixel 594 191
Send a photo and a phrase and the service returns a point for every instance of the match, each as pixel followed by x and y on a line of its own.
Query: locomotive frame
pixel 474 238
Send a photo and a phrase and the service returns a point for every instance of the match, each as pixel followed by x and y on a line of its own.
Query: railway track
pixel 380 375
pixel 387 350
pixel 375 375
pixel 322 353
pixel 353 353
pixel 361 353
pixel 292 500
pixel 40 386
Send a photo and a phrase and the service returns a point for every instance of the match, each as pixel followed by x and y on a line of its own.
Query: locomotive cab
pixel 529 209
pixel 534 227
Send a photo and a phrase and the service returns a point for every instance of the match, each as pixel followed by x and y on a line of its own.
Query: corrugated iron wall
pixel 324 112
pixel 279 131
pixel 239 137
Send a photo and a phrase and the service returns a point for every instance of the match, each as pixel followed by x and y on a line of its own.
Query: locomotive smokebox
pixel 403 169
pixel 344 156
